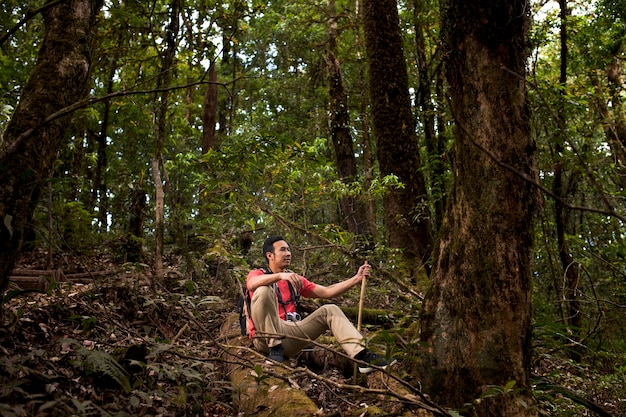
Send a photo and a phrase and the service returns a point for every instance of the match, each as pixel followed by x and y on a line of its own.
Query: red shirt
pixel 283 286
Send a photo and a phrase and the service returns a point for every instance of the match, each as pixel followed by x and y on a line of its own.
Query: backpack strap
pixel 294 296
pixel 243 307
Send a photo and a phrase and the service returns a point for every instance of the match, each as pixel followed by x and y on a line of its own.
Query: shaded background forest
pixel 228 121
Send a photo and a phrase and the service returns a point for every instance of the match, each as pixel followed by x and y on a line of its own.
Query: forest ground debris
pixel 168 364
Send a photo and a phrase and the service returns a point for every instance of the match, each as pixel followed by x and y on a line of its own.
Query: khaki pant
pixel 266 321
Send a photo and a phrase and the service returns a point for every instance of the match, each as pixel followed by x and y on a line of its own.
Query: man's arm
pixel 261 280
pixel 339 288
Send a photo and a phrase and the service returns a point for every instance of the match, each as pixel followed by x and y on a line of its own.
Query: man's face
pixel 281 258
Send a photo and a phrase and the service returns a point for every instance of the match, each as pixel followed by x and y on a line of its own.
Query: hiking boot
pixel 371 359
pixel 276 354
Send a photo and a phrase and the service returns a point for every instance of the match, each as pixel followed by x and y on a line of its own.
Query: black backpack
pixel 243 304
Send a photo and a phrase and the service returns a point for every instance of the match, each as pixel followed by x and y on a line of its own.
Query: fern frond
pixel 103 362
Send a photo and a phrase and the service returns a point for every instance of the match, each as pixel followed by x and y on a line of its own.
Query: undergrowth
pixel 110 350
pixel 128 347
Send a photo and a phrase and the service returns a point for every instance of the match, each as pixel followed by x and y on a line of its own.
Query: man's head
pixel 277 253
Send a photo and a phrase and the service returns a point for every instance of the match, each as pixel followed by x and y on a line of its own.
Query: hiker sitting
pixel 274 317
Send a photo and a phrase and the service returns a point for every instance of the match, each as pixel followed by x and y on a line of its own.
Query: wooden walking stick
pixel 361 298
pixel 360 315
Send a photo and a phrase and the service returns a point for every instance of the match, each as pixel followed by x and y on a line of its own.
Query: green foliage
pixel 17 55
pixel 495 390
pixel 86 322
pixel 569 123
pixel 101 363
pixel 259 375
pixel 272 171
pixel 74 224
pixel 390 342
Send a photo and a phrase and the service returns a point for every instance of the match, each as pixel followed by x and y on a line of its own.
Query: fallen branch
pixel 40 278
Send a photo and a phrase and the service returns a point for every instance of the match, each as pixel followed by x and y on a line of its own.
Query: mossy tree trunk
pixel 476 322
pixel 33 138
pixel 407 215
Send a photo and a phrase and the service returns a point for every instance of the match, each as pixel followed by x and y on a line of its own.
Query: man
pixel 275 326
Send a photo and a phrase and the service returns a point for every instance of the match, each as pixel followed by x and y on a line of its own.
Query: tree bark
pixel 352 208
pixel 209 130
pixel 59 79
pixel 133 241
pixel 209 114
pixel 364 116
pixel 614 127
pixel 353 213
pixel 159 215
pixel 614 120
pixel 616 88
pixel 476 321
pixel 407 217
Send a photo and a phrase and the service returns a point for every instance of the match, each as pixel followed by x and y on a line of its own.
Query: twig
pixel 180 332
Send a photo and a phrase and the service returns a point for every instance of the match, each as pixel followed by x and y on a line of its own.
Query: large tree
pixel 353 209
pixel 34 135
pixel 407 218
pixel 476 321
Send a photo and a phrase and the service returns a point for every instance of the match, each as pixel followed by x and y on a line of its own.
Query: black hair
pixel 268 246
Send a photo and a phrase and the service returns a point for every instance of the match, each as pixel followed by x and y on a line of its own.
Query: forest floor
pixel 122 345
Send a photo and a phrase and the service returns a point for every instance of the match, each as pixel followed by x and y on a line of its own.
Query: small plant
pixel 100 362
pixel 87 322
pixel 258 374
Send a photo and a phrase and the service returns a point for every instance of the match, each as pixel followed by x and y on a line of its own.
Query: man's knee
pixel 263 303
pixel 331 310
pixel 263 292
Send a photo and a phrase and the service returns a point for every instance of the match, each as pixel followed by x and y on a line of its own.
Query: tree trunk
pixel 159 215
pixel 616 87
pixel 209 113
pixel 163 80
pixel 614 128
pixel 614 119
pixel 364 116
pixel 561 188
pixel 100 180
pixel 59 79
pixel 209 129
pixel 353 210
pixel 133 242
pixel 352 214
pixel 476 321
pixel 407 217
pixel 427 69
